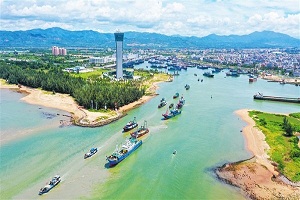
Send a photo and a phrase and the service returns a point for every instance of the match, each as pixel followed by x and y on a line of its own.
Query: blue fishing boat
pixel 129 146
pixel 130 125
pixel 171 114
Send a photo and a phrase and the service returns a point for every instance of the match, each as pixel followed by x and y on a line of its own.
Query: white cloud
pixel 184 17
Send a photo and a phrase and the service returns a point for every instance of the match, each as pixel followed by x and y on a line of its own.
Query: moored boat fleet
pixel 173 110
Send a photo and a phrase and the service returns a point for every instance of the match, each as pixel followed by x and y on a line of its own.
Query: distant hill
pixel 88 38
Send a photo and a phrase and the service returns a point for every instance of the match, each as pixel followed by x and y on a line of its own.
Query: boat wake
pixel 158 128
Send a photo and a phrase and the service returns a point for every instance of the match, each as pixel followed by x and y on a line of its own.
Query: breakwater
pixel 273 98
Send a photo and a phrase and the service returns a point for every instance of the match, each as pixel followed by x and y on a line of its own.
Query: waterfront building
pixel 119 54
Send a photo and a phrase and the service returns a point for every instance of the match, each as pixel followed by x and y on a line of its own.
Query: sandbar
pixel 79 115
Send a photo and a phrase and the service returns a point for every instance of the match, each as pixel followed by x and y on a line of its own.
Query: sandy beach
pixel 257 178
pixel 277 78
pixel 79 115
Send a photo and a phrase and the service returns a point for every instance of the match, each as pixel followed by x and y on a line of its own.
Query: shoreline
pixel 282 79
pixel 257 177
pixel 79 115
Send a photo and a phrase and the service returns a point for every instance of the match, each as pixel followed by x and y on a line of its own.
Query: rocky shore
pixel 256 182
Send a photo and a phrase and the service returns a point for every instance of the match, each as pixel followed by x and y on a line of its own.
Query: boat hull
pixel 272 98
pixel 171 115
pixel 139 133
pixel 90 154
pixel 114 162
pixel 128 128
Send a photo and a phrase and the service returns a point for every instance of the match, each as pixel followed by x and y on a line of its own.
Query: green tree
pixel 287 127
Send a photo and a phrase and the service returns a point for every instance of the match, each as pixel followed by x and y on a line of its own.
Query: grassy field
pixel 94 74
pixel 283 150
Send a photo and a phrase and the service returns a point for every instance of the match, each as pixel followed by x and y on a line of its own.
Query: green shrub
pixel 295 153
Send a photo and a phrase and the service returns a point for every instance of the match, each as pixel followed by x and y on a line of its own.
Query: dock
pixel 273 98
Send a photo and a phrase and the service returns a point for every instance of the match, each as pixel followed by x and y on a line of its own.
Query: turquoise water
pixel 206 135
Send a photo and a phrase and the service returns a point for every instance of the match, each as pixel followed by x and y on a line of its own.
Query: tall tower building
pixel 119 54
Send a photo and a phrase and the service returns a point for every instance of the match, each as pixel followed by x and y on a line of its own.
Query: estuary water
pixel 206 135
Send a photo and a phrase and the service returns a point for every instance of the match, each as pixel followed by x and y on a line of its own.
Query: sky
pixel 170 17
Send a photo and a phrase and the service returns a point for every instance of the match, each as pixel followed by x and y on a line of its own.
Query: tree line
pixel 94 93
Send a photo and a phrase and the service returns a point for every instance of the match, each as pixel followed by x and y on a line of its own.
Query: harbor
pixel 204 123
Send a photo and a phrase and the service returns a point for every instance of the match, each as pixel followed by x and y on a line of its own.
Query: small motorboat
pixel 92 152
pixel 175 95
pixel 162 103
pixel 187 87
pixel 174 152
pixel 55 180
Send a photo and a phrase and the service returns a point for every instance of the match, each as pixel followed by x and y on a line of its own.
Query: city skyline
pixel 186 18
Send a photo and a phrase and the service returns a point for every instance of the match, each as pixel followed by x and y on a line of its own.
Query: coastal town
pixel 280 62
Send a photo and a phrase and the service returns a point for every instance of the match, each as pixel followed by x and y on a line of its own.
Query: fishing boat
pixel 216 70
pixel 187 87
pixel 129 146
pixel 175 95
pixel 90 153
pixel 171 114
pixel 208 74
pixel 233 73
pixel 130 125
pixel 55 180
pixel 162 103
pixel 141 131
pixel 202 67
pixel 252 78
pixel 180 103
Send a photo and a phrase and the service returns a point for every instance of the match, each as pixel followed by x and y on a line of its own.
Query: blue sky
pixel 171 17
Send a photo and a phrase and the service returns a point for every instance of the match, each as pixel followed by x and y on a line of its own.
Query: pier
pixel 259 96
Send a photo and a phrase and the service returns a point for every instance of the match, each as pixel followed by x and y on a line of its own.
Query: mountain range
pixel 45 38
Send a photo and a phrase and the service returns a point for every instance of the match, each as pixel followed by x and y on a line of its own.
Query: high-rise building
pixel 55 50
pixel 119 54
pixel 58 51
pixel 64 52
